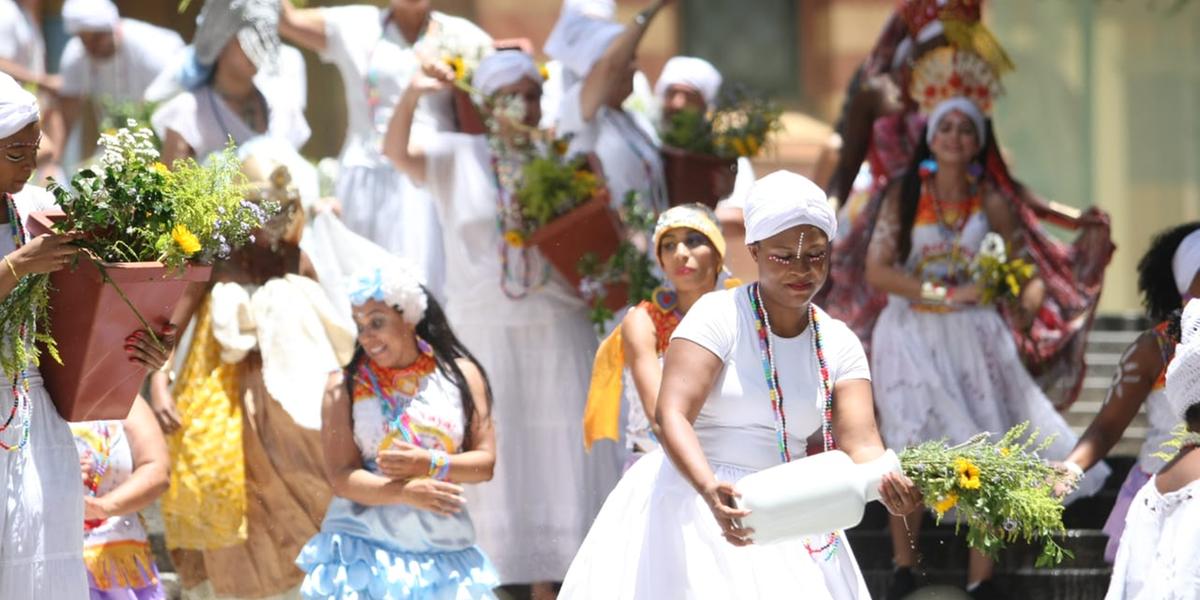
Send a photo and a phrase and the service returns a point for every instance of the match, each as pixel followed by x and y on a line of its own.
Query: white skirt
pixel 382 205
pixel 533 514
pixel 41 507
pixel 656 538
pixel 953 375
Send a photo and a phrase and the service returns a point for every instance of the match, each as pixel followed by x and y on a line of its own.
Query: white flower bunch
pixel 993 246
pixel 129 145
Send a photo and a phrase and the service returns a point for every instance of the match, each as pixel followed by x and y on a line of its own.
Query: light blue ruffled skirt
pixel 339 565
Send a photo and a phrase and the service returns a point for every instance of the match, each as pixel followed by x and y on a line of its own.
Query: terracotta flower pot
pixel 90 322
pixel 693 177
pixel 593 227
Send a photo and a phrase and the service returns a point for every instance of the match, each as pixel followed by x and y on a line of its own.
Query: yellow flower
pixel 1005 451
pixel 968 474
pixel 186 240
pixel 162 169
pixel 544 72
pixel 739 146
pixel 949 501
pixel 752 145
pixel 513 238
pixel 459 66
pixel 1013 286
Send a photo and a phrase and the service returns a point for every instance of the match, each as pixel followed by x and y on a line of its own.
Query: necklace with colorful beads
pixel 512 238
pixel 395 389
pixel 22 404
pixel 762 324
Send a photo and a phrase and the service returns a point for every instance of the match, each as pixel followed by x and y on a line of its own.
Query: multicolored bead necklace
pixel 22 404
pixel 762 325
pixel 508 218
pixel 395 389
pixel 98 439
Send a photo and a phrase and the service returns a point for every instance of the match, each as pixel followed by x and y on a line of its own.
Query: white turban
pixel 254 22
pixel 580 37
pixel 1186 262
pixel 962 105
pixel 502 68
pixel 1183 374
pixel 18 108
pixel 783 200
pixel 695 73
pixel 89 15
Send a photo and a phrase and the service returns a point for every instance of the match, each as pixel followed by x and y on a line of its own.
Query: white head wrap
pixel 783 200
pixel 254 22
pixel 962 105
pixel 395 283
pixel 502 68
pixel 581 36
pixel 1186 262
pixel 693 72
pixel 1183 374
pixel 89 15
pixel 18 108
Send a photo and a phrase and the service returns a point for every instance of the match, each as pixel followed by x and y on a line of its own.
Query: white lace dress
pixel 1159 557
pixel 955 373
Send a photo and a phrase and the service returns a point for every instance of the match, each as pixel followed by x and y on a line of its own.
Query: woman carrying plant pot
pixel 749 374
pixel 243 417
pixel 527 327
pixel 688 83
pixel 125 467
pixel 41 499
pixel 376 50
pixel 218 99
pixel 599 63
pixel 690 251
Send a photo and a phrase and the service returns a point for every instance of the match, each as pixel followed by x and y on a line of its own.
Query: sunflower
pixel 968 474
pixel 459 67
pixel 185 239
pixel 949 501
pixel 161 169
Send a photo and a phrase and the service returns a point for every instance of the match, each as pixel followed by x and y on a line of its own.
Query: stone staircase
pixel 944 554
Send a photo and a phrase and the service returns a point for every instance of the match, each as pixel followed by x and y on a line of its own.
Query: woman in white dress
pixel 1160 548
pixel 691 252
pixel 669 529
pixel 41 498
pixel 945 366
pixel 377 51
pixel 598 58
pixel 1141 376
pixel 531 336
pixel 220 101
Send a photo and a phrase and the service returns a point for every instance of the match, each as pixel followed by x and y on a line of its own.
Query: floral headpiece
pixel 395 284
pixel 946 73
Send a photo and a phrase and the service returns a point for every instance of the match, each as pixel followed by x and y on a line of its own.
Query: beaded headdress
pixel 946 73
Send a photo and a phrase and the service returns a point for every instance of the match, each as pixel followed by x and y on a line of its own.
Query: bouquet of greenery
pixel 1001 491
pixel 132 208
pixel 738 126
pixel 630 265
pixel 998 276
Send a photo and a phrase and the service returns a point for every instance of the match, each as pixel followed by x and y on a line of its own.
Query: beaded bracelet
pixel 439 465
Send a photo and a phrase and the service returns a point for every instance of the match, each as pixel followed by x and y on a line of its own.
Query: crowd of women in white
pixel 447 458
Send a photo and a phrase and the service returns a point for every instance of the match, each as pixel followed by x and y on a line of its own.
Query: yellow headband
pixel 690 216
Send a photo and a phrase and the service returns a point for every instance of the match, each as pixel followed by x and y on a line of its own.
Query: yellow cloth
pixel 601 417
pixel 205 507
pixel 690 216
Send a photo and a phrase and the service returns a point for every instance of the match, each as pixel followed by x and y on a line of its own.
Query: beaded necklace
pixel 762 325
pixel 396 389
pixel 22 404
pixel 505 175
pixel 98 438
pixel 952 232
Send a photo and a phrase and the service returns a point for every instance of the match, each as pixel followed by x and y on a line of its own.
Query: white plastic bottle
pixel 811 496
